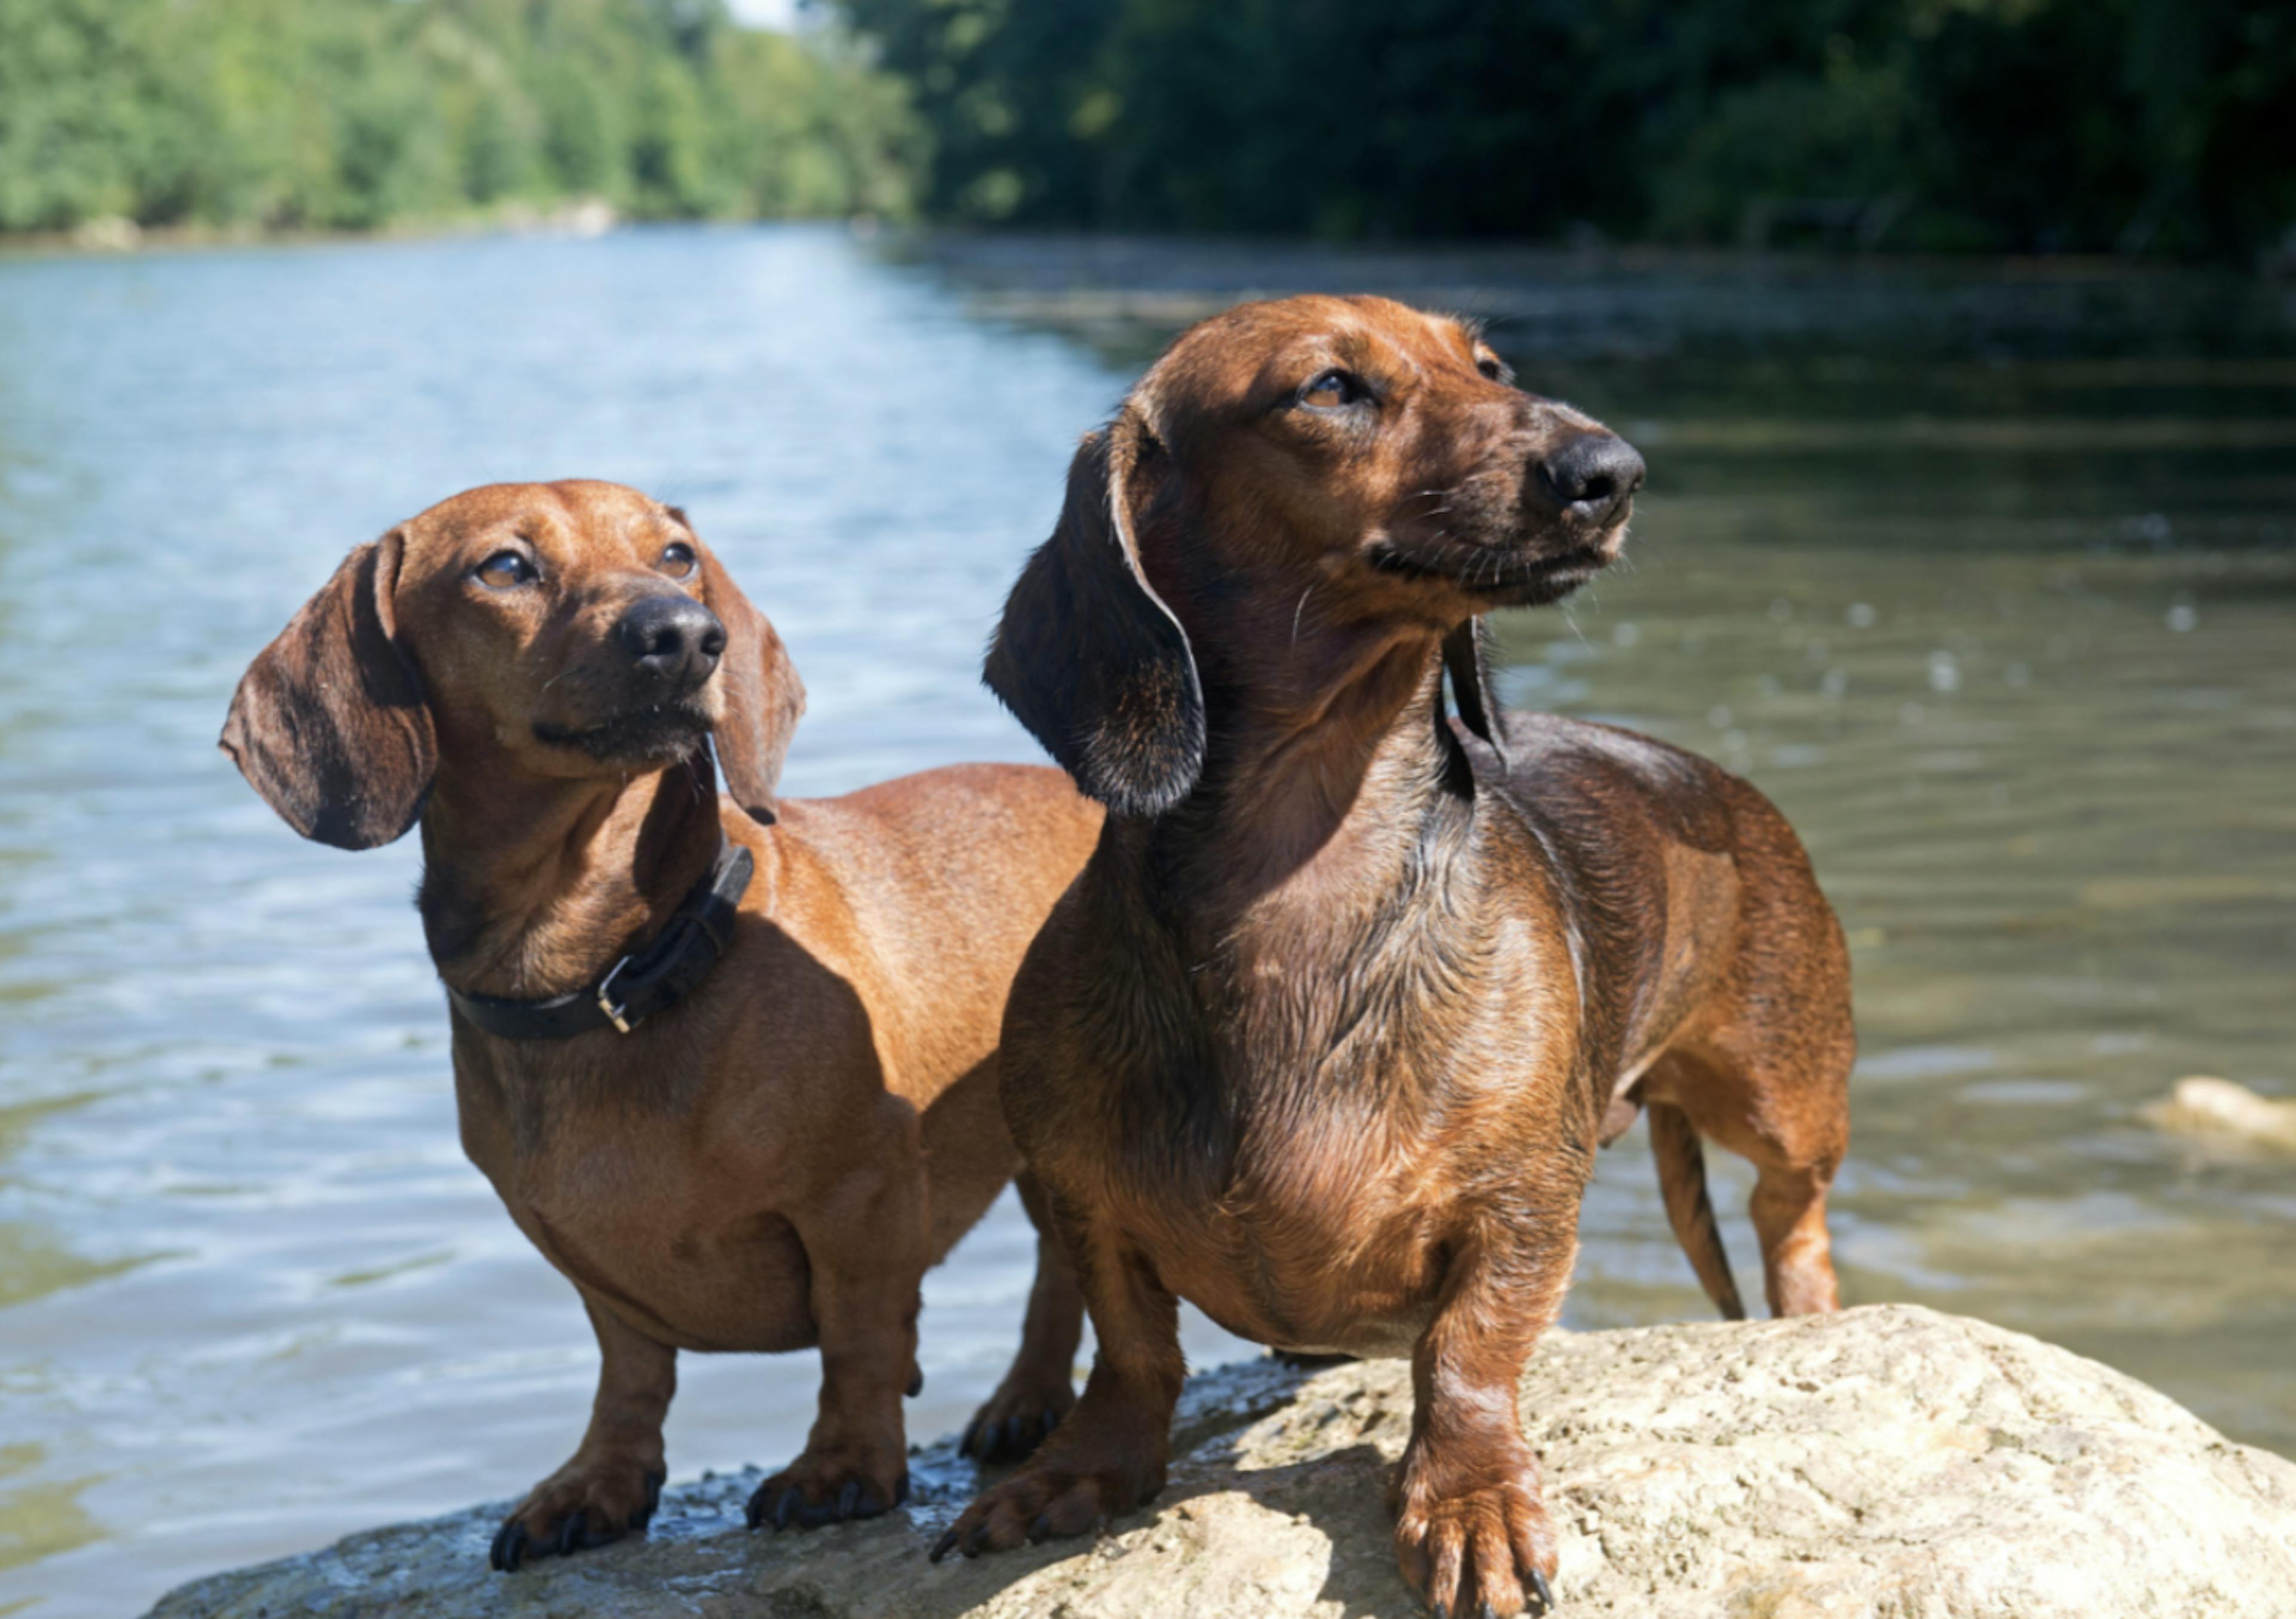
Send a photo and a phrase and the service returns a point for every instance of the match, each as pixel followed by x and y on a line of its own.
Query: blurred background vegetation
pixel 354 114
pixel 2012 125
pixel 2138 127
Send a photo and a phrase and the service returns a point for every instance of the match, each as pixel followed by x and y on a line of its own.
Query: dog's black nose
pixel 1593 477
pixel 674 637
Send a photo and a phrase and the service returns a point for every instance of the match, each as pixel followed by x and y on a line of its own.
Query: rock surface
pixel 1890 1461
pixel 2203 1105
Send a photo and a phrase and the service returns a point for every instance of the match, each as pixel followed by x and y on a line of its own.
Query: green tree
pixel 2005 125
pixel 359 112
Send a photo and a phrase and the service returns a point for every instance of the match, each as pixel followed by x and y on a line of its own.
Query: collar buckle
pixel 641 983
pixel 615 1014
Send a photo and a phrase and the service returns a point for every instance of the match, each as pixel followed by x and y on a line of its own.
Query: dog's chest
pixel 1321 1242
pixel 652 1228
pixel 1325 1109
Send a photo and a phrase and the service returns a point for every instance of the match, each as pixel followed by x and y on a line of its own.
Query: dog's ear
pixel 1086 654
pixel 1466 658
pixel 329 723
pixel 764 697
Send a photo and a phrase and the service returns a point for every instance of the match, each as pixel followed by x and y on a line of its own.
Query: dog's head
pixel 1353 454
pixel 567 630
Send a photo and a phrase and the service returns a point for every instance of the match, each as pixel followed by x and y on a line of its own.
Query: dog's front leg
pixel 1108 1455
pixel 612 1483
pixel 866 1246
pixel 1039 1390
pixel 1470 1531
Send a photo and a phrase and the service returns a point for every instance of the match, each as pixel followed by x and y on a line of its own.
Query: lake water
pixel 1989 576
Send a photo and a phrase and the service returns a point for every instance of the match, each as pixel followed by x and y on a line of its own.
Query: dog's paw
pixel 1041 1503
pixel 582 1504
pixel 1014 1420
pixel 1486 1554
pixel 828 1488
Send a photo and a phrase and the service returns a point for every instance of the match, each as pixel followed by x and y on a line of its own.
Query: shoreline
pixel 586 218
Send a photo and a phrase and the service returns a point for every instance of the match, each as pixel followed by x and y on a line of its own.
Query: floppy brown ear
pixel 1087 656
pixel 328 723
pixel 764 697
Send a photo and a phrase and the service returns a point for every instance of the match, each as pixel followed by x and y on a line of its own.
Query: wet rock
pixel 1890 1461
pixel 2203 1105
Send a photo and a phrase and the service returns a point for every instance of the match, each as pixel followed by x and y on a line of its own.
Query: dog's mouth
pixel 661 733
pixel 1501 578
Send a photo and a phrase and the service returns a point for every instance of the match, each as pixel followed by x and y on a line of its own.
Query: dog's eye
pixel 504 570
pixel 1331 389
pixel 677 560
pixel 1495 368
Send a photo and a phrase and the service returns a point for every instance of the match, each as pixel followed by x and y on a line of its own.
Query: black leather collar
pixel 641 983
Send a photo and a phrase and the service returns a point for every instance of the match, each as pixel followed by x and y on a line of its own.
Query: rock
pixel 1890 1461
pixel 2203 1105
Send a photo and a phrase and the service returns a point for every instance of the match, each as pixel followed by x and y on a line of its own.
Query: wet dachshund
pixel 729 1059
pixel 1325 1037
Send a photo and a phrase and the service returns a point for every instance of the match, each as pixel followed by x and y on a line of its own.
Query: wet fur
pixel 1327 1033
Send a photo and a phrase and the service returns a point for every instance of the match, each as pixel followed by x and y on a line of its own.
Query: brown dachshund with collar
pixel 731 1063
pixel 1325 1037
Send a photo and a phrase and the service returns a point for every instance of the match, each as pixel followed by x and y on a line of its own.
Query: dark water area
pixel 1987 576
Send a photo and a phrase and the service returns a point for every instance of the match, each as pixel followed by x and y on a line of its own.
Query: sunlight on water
pixel 1989 581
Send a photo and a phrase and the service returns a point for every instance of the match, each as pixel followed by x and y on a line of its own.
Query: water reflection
pixel 41 1521
pixel 1988 579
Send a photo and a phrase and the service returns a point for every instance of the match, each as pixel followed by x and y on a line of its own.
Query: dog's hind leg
pixel 1769 1079
pixel 1791 1126
pixel 1764 1068
pixel 1681 1161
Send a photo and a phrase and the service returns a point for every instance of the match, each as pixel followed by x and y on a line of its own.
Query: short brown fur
pixel 774 1162
pixel 1326 1034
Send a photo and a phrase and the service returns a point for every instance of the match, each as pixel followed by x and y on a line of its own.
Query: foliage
pixel 340 113
pixel 2008 125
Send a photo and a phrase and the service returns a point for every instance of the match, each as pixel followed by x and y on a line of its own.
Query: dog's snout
pixel 674 637
pixel 1593 477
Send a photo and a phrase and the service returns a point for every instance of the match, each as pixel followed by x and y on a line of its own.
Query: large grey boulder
pixel 1890 1461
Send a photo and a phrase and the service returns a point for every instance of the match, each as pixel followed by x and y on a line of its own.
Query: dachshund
pixel 1326 1035
pixel 730 1061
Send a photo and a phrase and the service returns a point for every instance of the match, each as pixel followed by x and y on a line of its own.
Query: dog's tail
pixel 1682 1182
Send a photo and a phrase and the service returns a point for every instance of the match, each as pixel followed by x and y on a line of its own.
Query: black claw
pixel 1442 1610
pixel 571 1534
pixel 848 1498
pixel 901 1488
pixel 1487 1612
pixel 1540 1588
pixel 1052 1420
pixel 916 1382
pixel 756 1514
pixel 789 1508
pixel 977 1541
pixel 654 1482
pixel 509 1549
pixel 942 1546
pixel 1040 1529
pixel 965 1446
pixel 1011 1436
pixel 810 1517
